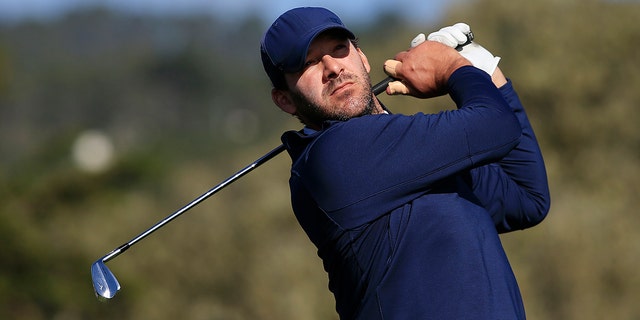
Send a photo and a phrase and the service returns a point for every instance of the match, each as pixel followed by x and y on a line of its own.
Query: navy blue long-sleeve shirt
pixel 405 210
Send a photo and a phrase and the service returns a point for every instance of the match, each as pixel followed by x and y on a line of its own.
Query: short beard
pixel 312 114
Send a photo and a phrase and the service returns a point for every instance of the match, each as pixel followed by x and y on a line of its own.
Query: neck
pixel 378 107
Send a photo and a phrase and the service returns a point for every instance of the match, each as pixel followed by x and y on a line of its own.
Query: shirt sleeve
pixel 515 189
pixel 362 168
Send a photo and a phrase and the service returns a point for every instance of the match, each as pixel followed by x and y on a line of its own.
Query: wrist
pixel 498 78
pixel 468 83
pixel 455 66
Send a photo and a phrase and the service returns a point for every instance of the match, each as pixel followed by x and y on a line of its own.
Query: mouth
pixel 340 87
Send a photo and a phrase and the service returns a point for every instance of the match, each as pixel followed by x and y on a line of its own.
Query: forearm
pixel 496 122
pixel 515 189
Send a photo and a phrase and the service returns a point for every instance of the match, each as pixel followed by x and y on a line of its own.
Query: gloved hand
pixel 456 35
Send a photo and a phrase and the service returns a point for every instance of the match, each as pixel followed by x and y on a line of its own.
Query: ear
pixel 282 99
pixel 364 59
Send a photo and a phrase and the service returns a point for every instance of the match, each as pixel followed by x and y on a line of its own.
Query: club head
pixel 105 283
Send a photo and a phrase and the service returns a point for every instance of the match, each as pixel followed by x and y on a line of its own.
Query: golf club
pixel 105 283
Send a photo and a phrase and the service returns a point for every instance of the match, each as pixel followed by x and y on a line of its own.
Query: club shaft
pixel 195 202
pixel 381 86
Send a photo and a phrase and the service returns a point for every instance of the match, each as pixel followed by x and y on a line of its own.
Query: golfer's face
pixel 335 78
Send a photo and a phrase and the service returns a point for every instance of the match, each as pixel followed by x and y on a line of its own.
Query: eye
pixel 341 50
pixel 310 62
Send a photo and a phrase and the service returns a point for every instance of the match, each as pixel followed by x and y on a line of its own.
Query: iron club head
pixel 105 283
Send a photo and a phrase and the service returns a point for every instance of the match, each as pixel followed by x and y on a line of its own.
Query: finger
pixel 451 36
pixel 392 67
pixel 443 37
pixel 458 32
pixel 463 27
pixel 397 87
pixel 420 38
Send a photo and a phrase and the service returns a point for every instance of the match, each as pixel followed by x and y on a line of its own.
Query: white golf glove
pixel 456 35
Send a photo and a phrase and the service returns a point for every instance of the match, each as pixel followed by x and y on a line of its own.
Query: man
pixel 405 210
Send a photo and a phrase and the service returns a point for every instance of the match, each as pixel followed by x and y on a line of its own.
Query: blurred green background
pixel 111 121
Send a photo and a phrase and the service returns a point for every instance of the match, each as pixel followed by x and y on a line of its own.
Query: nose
pixel 332 67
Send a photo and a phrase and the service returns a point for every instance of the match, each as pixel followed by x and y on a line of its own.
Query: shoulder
pixel 362 129
pixel 362 137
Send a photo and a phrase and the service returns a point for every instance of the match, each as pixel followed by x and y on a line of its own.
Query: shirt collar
pixel 308 131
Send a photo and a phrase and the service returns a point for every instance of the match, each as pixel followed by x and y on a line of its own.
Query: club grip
pixel 381 86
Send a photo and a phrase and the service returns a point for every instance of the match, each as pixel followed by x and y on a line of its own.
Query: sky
pixel 349 10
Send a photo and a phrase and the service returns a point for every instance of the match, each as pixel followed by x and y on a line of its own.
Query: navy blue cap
pixel 284 46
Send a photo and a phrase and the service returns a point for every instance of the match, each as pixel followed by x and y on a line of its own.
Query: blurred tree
pixel 5 72
pixel 168 89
